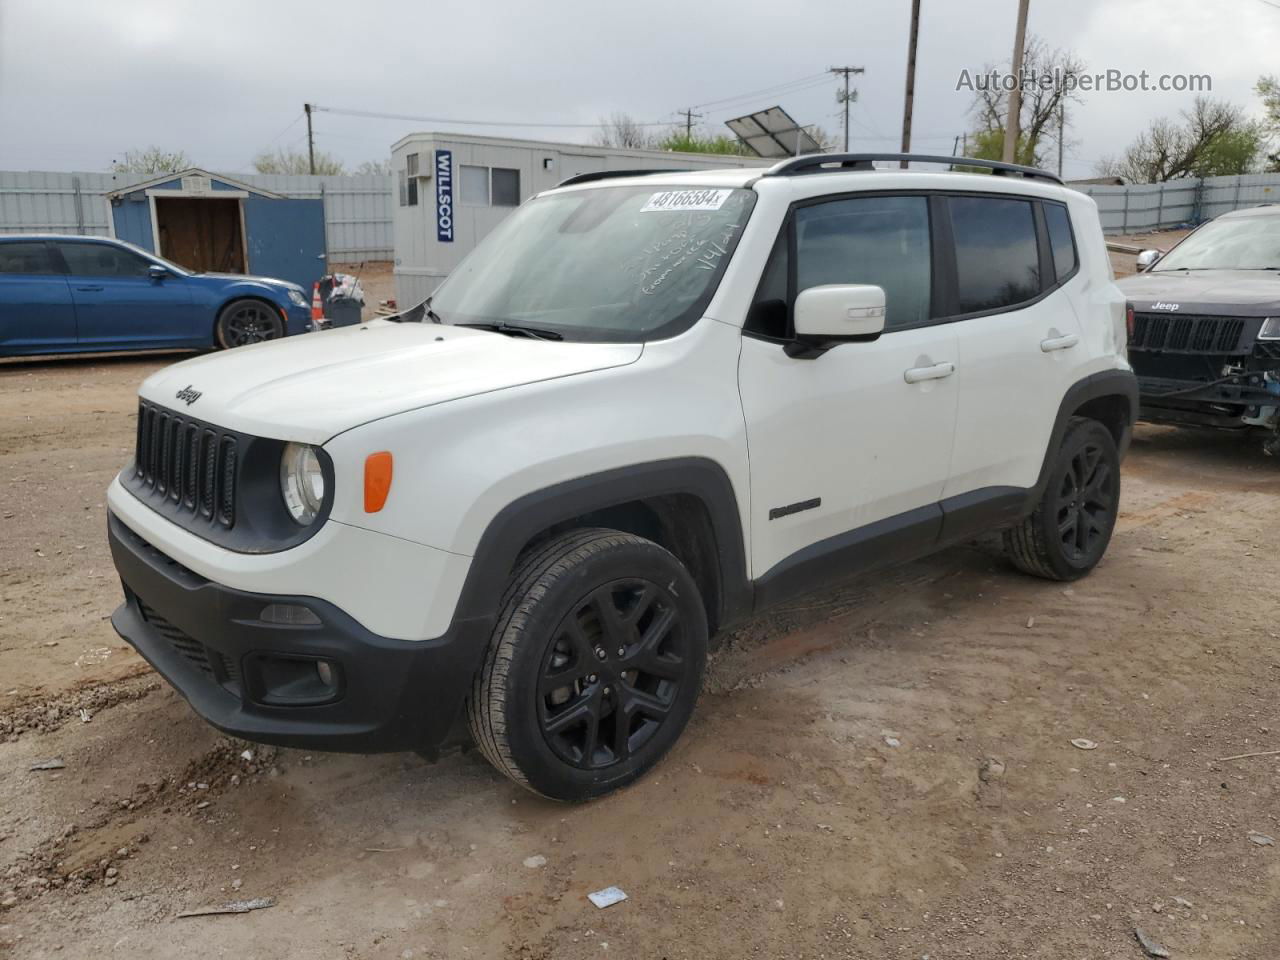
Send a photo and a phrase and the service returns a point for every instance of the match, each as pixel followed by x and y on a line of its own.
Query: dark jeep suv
pixel 1204 326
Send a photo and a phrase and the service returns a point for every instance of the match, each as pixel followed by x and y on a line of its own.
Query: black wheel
pixel 247 321
pixel 594 666
pixel 1069 531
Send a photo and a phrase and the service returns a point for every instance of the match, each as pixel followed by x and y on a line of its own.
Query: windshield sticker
pixel 683 201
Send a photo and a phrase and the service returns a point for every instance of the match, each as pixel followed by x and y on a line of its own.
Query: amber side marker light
pixel 377 481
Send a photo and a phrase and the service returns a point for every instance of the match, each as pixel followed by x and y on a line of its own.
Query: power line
pixel 272 141
pixel 764 91
pixel 777 93
pixel 379 115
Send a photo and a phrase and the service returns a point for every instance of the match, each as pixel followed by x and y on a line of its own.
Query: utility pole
pixel 311 140
pixel 909 102
pixel 689 117
pixel 1011 131
pixel 846 97
pixel 1062 126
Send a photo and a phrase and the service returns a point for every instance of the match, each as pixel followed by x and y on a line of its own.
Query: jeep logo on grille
pixel 1158 305
pixel 188 394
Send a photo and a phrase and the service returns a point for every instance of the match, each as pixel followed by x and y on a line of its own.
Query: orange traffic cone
pixel 317 311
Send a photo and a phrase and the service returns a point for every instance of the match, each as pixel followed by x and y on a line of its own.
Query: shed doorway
pixel 204 234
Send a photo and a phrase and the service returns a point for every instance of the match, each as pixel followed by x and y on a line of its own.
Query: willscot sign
pixel 444 196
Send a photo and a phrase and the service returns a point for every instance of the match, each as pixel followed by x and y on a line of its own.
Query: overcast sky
pixel 81 81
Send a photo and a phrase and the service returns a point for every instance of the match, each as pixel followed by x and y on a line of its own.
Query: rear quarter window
pixel 1062 241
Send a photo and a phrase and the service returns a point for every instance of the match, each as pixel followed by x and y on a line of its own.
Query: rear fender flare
pixel 1108 383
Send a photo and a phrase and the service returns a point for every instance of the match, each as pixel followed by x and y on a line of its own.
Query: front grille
pixel 1174 333
pixel 219 667
pixel 187 463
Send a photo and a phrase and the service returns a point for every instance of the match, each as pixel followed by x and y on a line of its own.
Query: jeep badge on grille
pixel 188 394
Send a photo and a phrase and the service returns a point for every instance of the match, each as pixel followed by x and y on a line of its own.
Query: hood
pixel 1236 293
pixel 269 281
pixel 313 386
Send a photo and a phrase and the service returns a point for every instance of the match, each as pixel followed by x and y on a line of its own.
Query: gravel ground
pixel 883 770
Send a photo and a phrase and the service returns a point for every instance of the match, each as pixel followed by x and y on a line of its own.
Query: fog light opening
pixel 289 615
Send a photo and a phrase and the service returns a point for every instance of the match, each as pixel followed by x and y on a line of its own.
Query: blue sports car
pixel 63 294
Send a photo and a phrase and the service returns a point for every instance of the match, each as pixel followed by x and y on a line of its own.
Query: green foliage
pixel 1232 152
pixel 989 145
pixel 297 161
pixel 682 142
pixel 152 160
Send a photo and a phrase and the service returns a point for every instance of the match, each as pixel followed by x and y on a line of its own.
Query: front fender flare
pixel 519 522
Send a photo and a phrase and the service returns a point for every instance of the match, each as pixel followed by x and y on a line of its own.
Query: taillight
pixel 1128 319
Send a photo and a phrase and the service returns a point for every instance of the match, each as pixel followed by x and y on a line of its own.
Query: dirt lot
pixel 883 770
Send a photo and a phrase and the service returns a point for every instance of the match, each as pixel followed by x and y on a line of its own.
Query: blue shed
pixel 214 224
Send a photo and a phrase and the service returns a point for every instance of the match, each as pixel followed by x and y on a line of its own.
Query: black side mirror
pixel 157 272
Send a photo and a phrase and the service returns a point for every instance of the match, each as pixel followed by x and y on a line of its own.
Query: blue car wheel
pixel 248 321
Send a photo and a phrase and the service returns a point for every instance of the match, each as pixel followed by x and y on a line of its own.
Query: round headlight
pixel 301 482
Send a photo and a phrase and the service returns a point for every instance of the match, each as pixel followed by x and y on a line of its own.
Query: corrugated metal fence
pixel 357 209
pixel 1142 207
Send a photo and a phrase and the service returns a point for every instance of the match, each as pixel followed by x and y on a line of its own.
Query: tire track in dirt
pixel 35 714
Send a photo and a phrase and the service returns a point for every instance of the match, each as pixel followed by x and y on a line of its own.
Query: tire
pixel 556 711
pixel 243 322
pixel 1069 531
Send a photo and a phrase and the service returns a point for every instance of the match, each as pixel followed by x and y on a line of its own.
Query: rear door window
pixel 997 256
pixel 31 259
pixel 102 260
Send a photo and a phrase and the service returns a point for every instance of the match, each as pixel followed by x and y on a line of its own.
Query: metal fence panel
pixel 357 207
pixel 1143 207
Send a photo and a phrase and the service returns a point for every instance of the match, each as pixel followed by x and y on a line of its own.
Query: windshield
pixel 1236 243
pixel 609 263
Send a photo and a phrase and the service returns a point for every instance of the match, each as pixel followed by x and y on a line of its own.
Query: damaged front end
pixel 1206 370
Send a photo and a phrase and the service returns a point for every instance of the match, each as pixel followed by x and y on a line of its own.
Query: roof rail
pixel 838 162
pixel 611 174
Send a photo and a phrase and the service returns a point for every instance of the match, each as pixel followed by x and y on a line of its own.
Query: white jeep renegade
pixel 644 408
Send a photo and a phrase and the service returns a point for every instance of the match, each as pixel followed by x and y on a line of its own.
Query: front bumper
pixel 258 680
pixel 298 319
pixel 1196 403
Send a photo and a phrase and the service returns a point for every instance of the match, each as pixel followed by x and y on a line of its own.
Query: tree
pixel 1213 139
pixel 382 167
pixel 1268 89
pixel 297 161
pixel 623 130
pixel 1041 100
pixel 152 160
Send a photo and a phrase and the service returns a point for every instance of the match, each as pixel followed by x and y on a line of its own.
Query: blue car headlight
pixel 296 297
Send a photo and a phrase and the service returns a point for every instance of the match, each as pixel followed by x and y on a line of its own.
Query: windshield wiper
pixel 515 330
